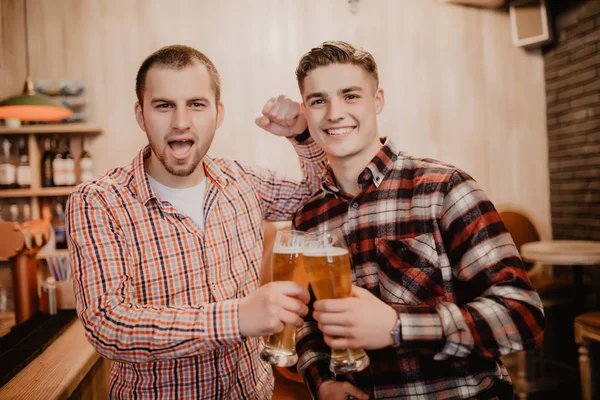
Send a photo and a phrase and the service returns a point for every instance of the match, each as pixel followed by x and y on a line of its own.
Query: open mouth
pixel 339 132
pixel 181 148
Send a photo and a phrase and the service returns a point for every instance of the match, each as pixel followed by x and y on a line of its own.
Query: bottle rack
pixel 35 135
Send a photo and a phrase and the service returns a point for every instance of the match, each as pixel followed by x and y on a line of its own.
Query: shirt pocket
pixel 409 271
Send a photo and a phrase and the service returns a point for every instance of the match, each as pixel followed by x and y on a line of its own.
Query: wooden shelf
pixel 43 254
pixel 78 132
pixel 44 129
pixel 40 192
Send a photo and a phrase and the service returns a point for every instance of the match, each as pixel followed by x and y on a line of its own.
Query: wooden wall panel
pixel 12 48
pixel 456 88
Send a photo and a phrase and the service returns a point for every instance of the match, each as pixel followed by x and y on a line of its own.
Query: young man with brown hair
pixel 440 291
pixel 166 251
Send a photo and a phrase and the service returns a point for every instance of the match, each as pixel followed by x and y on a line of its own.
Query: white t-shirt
pixel 189 201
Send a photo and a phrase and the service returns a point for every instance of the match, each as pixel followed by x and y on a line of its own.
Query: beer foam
pixel 327 252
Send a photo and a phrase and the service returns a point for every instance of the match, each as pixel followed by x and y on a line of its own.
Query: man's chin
pixel 181 171
pixel 181 168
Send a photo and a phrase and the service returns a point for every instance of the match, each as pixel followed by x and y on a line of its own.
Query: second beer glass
pixel 328 266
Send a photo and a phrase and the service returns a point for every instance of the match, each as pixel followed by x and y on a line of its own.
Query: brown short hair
pixel 176 57
pixel 335 52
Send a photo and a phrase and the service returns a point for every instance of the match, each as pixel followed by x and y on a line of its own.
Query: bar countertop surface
pixel 58 371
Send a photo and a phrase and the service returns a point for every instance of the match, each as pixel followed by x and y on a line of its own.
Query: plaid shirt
pixel 425 239
pixel 159 297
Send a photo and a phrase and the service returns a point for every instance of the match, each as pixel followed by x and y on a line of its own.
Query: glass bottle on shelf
pixel 26 212
pixel 47 157
pixel 8 171
pixel 46 211
pixel 58 169
pixel 86 165
pixel 69 165
pixel 14 212
pixel 23 169
pixel 3 299
pixel 58 224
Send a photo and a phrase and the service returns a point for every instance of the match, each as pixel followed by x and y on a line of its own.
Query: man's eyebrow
pixel 315 94
pixel 161 100
pixel 351 89
pixel 196 99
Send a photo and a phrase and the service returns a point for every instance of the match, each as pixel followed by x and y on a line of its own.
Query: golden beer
pixel 330 277
pixel 286 267
pixel 329 273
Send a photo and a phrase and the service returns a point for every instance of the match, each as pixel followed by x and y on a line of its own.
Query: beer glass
pixel 286 265
pixel 327 264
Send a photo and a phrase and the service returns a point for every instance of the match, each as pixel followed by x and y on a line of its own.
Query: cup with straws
pixel 60 269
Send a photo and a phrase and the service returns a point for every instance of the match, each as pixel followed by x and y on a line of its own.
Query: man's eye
pixel 317 102
pixel 163 105
pixel 197 105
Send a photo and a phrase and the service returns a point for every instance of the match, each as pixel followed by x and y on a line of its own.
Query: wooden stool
pixel 528 369
pixel 587 330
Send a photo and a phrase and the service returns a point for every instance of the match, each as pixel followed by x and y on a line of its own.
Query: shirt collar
pixel 141 183
pixel 375 171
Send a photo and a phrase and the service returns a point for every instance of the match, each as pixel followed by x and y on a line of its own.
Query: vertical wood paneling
pixel 456 89
pixel 12 48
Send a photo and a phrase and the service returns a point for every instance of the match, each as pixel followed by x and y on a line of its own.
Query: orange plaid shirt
pixel 160 297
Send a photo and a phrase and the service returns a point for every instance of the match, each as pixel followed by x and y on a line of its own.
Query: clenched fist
pixel 268 309
pixel 282 117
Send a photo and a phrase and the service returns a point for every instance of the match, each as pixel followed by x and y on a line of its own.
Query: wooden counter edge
pixel 58 371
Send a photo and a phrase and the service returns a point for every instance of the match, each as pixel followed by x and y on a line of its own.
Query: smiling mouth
pixel 339 131
pixel 181 148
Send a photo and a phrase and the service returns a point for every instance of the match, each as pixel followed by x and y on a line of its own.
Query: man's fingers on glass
pixel 334 330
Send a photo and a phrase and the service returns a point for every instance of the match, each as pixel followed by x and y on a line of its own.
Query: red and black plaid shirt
pixel 425 239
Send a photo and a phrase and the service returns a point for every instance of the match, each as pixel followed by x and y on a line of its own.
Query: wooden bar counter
pixel 68 368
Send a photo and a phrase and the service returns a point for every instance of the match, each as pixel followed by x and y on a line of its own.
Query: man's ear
pixel 379 101
pixel 139 116
pixel 220 114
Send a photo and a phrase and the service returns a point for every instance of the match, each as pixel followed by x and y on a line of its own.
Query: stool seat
pixel 587 330
pixel 590 320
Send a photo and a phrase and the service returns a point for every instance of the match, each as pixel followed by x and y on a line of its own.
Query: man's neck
pixel 156 170
pixel 347 170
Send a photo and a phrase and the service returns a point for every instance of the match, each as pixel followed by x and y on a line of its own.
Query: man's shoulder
pixel 235 169
pixel 109 184
pixel 423 167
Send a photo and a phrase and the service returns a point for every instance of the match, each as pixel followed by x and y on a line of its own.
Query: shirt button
pixel 355 205
pixel 357 246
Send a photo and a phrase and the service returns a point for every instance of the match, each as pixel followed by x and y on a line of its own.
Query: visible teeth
pixel 338 131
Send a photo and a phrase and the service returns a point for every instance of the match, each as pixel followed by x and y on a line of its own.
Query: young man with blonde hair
pixel 440 291
pixel 166 251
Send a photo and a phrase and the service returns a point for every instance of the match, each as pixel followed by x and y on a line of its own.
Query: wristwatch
pixel 397 333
